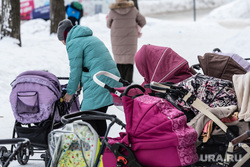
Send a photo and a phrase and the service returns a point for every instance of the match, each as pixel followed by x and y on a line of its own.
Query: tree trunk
pixel 57 13
pixel 10 21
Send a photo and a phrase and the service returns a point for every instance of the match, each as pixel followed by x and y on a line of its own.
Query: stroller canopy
pixel 33 96
pixel 223 66
pixel 161 64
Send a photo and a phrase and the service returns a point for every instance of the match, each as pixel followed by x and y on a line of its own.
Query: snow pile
pixel 238 9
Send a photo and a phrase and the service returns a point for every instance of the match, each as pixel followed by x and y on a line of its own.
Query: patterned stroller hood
pixel 33 96
pixel 161 64
pixel 77 144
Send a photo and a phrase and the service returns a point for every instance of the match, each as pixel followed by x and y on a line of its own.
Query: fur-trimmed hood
pixel 121 4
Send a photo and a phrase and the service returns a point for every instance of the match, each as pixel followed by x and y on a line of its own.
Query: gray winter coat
pixel 123 21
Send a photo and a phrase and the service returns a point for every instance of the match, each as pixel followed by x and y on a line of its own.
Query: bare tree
pixel 57 13
pixel 10 20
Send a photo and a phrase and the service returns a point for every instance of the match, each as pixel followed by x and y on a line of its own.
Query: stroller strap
pixel 196 103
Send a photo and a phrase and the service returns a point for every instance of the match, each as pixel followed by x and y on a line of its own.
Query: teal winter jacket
pixel 88 52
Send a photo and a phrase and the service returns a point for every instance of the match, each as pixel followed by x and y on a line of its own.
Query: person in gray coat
pixel 124 20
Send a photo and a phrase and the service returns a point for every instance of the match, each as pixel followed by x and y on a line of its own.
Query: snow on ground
pixel 42 51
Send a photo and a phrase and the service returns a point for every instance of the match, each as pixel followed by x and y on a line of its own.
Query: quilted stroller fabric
pixel 157 133
pixel 33 96
pixel 161 64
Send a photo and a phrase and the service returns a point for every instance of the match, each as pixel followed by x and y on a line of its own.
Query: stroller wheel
pixel 3 151
pixel 46 157
pixel 23 156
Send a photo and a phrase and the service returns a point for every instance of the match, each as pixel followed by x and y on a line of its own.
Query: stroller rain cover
pixel 77 144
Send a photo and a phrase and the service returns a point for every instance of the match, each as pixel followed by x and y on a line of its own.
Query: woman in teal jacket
pixel 88 55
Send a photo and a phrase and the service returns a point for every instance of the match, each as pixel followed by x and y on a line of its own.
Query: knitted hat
pixel 62 26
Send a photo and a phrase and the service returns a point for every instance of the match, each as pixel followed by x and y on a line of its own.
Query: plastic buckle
pixel 124 160
pixel 191 99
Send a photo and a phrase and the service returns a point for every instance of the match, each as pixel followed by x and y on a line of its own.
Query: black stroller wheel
pixel 23 156
pixel 3 151
pixel 46 157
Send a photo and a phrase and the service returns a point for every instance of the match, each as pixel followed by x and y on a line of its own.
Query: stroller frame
pixel 37 149
pixel 7 156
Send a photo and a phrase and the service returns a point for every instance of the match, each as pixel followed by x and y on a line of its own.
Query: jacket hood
pixel 122 4
pixel 123 11
pixel 79 31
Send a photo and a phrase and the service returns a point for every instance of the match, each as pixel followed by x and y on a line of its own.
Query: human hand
pixel 67 97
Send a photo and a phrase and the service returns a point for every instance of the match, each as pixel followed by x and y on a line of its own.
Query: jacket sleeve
pixel 109 20
pixel 75 62
pixel 140 19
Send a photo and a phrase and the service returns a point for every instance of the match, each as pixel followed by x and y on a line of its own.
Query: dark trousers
pixel 100 126
pixel 126 71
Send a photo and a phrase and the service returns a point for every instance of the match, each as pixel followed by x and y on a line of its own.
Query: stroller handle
pixel 90 115
pixel 112 76
pixel 100 83
pixel 132 87
pixel 15 141
pixel 63 78
pixel 241 138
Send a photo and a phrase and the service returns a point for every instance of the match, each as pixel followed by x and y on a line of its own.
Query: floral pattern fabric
pixel 78 146
pixel 186 135
pixel 214 92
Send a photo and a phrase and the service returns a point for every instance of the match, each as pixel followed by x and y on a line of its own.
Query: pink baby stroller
pixel 155 130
